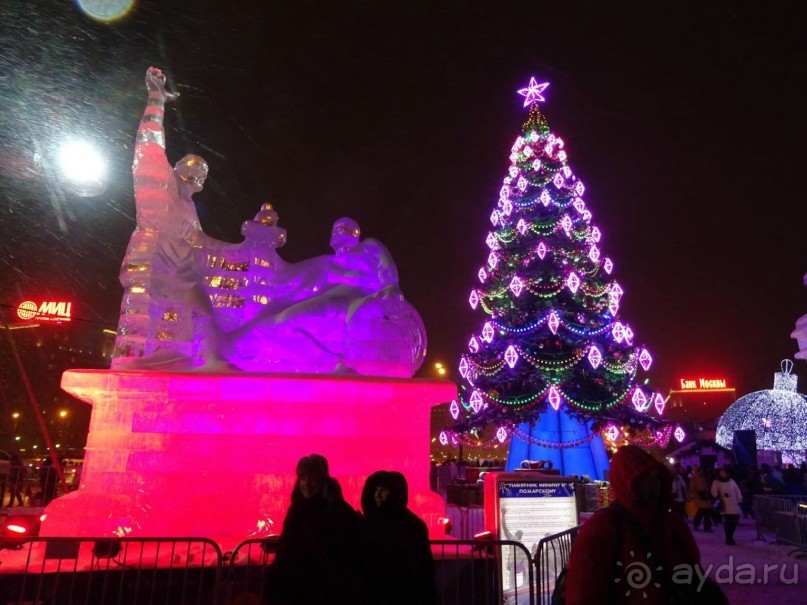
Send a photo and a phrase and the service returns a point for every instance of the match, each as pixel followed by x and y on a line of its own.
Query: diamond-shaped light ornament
pixel 553 322
pixel 521 226
pixel 463 368
pixel 594 253
pixel 559 142
pixel 616 291
pixel 507 207
pixel 476 401
pixel 659 403
pixel 513 171
pixel 573 282
pixel 534 136
pixel 679 434
pixel 548 149
pixel 613 307
pixel 492 241
pixel 516 285
pixel 579 188
pixel 566 223
pixel 554 397
pixel 579 204
pixel 545 198
pixel 501 434
pixel 608 265
pixel 628 335
pixel 454 409
pixel 594 357
pixel 562 155
pixel 487 332
pixel 527 152
pixel 473 299
pixel 494 218
pixel 522 183
pixel 640 401
pixel 473 345
pixel 493 260
pixel 483 275
pixel 611 432
pixel 558 180
pixel 595 234
pixel 567 172
pixel 536 165
pixel 645 359
pixel 541 250
pixel 443 438
pixel 586 215
pixel 618 332
pixel 511 356
pixel 504 193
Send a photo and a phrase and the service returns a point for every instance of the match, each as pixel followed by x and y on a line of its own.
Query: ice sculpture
pixel 194 302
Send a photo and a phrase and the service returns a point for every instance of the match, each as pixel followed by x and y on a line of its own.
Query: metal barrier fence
pixel 193 571
pixel 466 521
pixel 785 517
pixel 551 556
pixel 101 571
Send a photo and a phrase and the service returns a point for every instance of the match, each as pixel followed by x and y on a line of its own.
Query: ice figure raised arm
pixel 166 316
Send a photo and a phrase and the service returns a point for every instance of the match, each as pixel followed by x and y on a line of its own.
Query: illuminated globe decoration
pixel 552 363
pixel 778 416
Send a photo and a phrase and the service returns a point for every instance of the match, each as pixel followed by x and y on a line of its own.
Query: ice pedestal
pixel 213 455
pixel 586 456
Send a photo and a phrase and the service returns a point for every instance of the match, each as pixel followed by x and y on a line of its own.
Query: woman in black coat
pixel 398 561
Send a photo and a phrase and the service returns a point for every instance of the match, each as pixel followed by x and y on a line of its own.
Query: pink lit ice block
pixel 213 455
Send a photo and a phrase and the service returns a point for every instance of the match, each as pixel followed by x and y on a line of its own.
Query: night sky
pixel 686 123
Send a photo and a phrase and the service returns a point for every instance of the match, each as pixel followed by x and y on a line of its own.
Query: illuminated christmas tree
pixel 553 366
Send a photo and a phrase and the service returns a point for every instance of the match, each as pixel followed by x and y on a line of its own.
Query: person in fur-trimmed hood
pixel 398 562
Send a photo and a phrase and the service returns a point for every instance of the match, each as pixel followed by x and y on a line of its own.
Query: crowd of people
pixel 330 553
pixel 21 490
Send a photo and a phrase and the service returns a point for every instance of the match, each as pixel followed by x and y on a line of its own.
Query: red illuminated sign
pixel 45 311
pixel 703 384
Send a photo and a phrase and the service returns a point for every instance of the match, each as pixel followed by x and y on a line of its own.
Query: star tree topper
pixel 532 94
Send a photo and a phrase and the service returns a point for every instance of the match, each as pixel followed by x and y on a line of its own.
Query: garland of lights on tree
pixel 552 335
pixel 777 416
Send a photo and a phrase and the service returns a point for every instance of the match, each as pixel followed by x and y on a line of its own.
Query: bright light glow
pixel 586 215
pixel 516 285
pixel 562 155
pixel 105 10
pixel 567 172
pixel 594 253
pixel 487 332
pixel 473 299
pixel 492 241
pixel 511 356
pixel 658 402
pixel 608 265
pixel 522 183
pixel 554 322
pixel 81 162
pixel 579 205
pixel 594 357
pixel 558 180
pixel 513 170
pixel 616 291
pixel 679 434
pixel 455 410
pixel 566 223
pixel 504 193
pixel 618 332
pixel 501 434
pixel 536 165
pixel 645 359
pixel 476 401
pixel 554 397
pixel 473 344
pixel 443 438
pixel 545 199
pixel 532 93
pixel 521 226
pixel 541 250
pixel 483 275
pixel 17 529
pixel 573 282
pixel 611 432
pixel 507 207
pixel 640 401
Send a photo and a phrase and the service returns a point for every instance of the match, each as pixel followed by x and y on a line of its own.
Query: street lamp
pixel 441 370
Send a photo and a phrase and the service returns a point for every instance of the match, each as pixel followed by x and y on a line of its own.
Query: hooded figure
pixel 398 559
pixel 614 538
pixel 319 553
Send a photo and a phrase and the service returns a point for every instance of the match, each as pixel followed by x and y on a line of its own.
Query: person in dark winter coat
pixel 614 538
pixel 398 559
pixel 319 553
